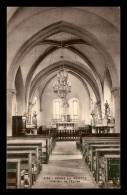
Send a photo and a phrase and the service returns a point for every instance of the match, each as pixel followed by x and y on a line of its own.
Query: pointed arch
pixel 56 28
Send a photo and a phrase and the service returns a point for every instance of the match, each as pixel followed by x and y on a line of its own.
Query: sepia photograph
pixel 63 97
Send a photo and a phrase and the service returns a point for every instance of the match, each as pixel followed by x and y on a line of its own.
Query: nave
pixel 65 169
pixel 63 84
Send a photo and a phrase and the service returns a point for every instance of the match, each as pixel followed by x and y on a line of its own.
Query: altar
pixel 66 126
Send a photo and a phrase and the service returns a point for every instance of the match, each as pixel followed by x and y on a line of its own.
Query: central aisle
pixel 65 169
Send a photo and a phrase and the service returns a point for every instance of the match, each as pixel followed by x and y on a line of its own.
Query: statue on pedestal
pixel 107 109
pixel 34 119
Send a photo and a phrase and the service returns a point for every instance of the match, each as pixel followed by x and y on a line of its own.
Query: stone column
pixel 10 93
pixel 116 93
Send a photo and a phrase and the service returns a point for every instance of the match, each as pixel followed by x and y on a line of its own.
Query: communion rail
pixel 75 134
pixel 65 134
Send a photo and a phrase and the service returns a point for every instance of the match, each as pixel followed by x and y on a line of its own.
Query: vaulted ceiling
pixel 87 37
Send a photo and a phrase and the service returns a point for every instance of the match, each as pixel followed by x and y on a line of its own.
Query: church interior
pixel 63 97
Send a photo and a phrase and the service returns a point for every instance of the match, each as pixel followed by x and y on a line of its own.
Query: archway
pixel 56 28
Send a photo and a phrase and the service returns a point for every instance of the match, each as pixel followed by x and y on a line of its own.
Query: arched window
pixel 58 109
pixel 74 108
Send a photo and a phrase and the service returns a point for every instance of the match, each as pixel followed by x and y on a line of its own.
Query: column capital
pixel 11 92
pixel 115 91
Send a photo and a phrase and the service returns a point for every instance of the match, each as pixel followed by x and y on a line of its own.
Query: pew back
pixel 91 152
pixel 36 161
pixel 110 172
pixel 99 153
pixel 95 148
pixel 46 143
pixel 16 148
pixel 23 155
pixel 44 149
pixel 13 180
pixel 26 144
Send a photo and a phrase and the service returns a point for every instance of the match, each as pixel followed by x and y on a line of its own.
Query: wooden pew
pixel 36 167
pixel 91 152
pixel 85 147
pixel 83 140
pixel 97 136
pixel 36 161
pixel 45 154
pixel 111 171
pixel 98 142
pixel 23 156
pixel 15 177
pixel 28 144
pixel 99 158
pixel 108 145
pixel 46 144
pixel 97 139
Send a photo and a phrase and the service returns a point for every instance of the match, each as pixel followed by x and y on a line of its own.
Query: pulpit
pixel 17 125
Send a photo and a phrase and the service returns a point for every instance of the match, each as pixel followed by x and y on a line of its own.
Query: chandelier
pixel 62 87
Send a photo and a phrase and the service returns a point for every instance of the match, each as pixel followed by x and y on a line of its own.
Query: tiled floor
pixel 65 169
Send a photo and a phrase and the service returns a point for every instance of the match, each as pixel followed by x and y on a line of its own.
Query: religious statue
pixel 106 107
pixel 108 110
pixel 34 119
pixel 65 118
